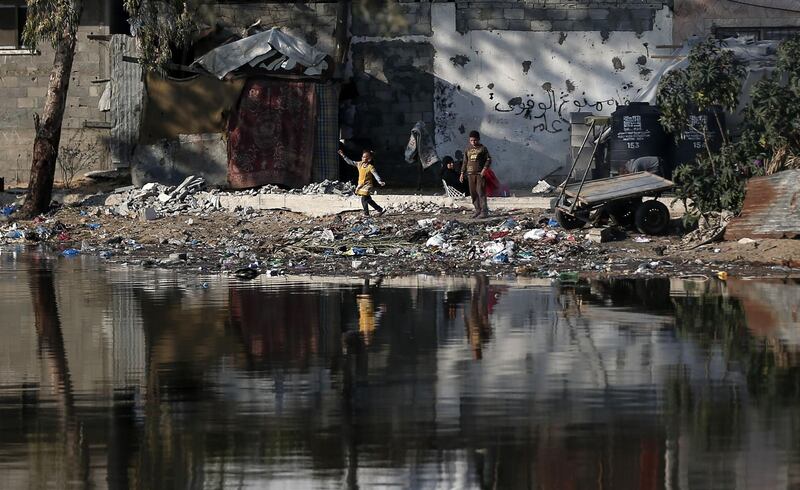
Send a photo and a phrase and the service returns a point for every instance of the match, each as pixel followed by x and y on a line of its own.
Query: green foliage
pixel 789 57
pixel 48 19
pixel 716 182
pixel 713 78
pixel 673 99
pixel 773 116
pixel 158 27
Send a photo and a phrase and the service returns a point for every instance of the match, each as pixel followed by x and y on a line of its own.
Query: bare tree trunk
pixel 48 128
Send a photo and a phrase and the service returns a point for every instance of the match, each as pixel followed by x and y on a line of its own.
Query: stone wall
pixel 23 86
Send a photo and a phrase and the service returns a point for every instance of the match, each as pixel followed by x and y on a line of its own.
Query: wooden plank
pixel 604 187
pixel 623 186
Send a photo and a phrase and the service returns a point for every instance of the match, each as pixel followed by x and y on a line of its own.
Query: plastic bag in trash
pixel 535 234
pixel 436 241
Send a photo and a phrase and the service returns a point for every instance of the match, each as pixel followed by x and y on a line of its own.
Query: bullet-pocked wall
pixel 516 73
pixel 512 70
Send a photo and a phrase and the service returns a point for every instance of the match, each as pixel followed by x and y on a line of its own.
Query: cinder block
pixel 516 13
pixel 556 14
pixel 598 14
pixel 533 13
pixel 498 24
pixel 477 25
pixel 541 25
pixel 26 103
pixel 9 82
pixel 37 91
pixel 577 14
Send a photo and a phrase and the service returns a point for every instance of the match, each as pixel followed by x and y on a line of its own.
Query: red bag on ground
pixel 493 186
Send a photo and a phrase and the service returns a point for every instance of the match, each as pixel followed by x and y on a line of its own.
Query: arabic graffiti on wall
pixel 549 112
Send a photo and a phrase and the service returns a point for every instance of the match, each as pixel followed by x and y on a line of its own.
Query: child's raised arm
pixel 347 160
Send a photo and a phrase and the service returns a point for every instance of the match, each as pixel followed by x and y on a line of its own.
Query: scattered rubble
pixel 184 227
pixel 542 187
pixel 710 228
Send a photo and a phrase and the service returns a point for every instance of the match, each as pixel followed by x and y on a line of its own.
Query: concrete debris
pixel 542 187
pixel 711 228
pixel 604 235
pixel 148 214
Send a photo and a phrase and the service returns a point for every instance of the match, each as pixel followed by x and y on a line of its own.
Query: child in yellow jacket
pixel 367 176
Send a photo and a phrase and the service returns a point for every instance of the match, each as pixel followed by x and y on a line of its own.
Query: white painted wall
pixel 530 138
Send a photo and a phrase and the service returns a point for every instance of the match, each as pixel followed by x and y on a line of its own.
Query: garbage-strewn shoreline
pixel 182 234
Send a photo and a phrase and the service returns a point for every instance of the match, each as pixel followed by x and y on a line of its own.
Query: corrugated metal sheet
pixel 127 93
pixel 771 208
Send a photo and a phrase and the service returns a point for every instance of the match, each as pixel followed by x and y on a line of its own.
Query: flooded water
pixel 148 379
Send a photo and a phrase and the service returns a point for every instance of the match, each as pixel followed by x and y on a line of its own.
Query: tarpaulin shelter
pixel 269 96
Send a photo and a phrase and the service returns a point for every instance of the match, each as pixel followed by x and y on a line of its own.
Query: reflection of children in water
pixel 368 316
pixel 477 319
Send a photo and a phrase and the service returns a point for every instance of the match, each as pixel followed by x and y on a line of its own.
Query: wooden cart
pixel 621 197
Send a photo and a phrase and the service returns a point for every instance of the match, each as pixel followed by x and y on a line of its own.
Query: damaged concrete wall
pixel 23 85
pixel 392 64
pixel 519 87
pixel 557 15
pixel 512 70
pixel 700 17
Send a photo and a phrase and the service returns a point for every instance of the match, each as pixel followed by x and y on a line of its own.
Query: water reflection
pixel 144 380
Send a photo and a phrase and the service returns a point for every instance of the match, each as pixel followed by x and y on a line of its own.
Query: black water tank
pixel 636 132
pixel 689 144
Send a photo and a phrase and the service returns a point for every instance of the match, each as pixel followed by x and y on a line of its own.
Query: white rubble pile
pixel 414 207
pixel 153 200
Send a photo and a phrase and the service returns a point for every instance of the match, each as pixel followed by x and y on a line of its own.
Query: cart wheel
pixel 652 218
pixel 624 212
pixel 568 222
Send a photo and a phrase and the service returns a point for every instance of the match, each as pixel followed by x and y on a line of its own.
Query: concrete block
pixel 37 91
pixel 148 214
pixel 519 25
pixel 577 14
pixel 497 24
pixel 604 235
pixel 477 25
pixel 9 82
pixel 557 14
pixel 540 25
pixel 533 13
pixel 26 103
pixel 516 13
pixel 598 14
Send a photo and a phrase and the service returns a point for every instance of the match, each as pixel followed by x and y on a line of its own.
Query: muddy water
pixel 132 378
